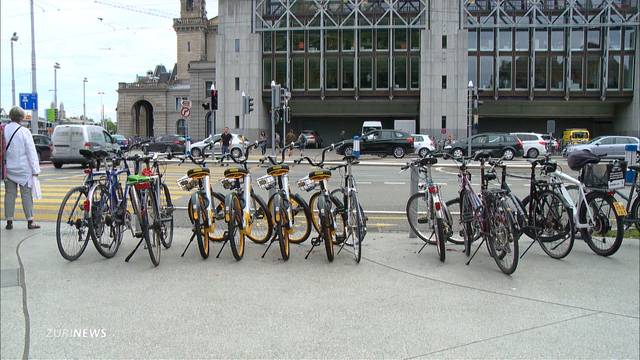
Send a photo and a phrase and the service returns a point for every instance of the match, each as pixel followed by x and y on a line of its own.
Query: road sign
pixel 185 112
pixel 29 101
pixel 551 126
pixel 52 115
pixel 186 104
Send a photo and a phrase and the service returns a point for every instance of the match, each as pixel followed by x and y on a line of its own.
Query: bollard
pixel 356 147
pixel 630 155
pixel 413 188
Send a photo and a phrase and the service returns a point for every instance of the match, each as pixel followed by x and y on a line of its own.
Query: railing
pixel 142 85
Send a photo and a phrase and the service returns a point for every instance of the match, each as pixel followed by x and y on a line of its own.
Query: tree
pixel 111 126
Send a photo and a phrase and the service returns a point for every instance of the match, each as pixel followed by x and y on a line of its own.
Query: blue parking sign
pixel 29 101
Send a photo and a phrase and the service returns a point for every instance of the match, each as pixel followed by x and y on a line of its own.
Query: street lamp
pixel 84 104
pixel 469 119
pixel 14 38
pixel 56 66
pixel 102 110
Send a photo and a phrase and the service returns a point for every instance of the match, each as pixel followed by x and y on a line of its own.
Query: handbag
pixel 3 173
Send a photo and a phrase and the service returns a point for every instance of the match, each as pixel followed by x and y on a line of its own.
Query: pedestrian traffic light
pixel 250 104
pixel 205 106
pixel 214 98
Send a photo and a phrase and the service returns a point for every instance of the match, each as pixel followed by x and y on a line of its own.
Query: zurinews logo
pixel 77 333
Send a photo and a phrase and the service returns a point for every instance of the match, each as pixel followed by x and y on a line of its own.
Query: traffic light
pixel 214 98
pixel 249 104
pixel 205 106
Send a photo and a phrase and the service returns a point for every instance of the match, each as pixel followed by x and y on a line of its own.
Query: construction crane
pixel 134 9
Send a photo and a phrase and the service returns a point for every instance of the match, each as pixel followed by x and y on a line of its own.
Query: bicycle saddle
pixel 577 160
pixel 137 179
pixel 197 173
pixel 319 175
pixel 235 173
pixel 481 155
pixel 278 170
pixel 429 161
pixel 98 154
pixel 490 176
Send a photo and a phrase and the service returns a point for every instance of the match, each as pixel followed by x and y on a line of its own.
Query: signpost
pixel 52 115
pixel 185 111
pixel 29 101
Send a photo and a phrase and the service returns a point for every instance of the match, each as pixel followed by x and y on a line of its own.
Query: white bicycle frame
pixel 558 178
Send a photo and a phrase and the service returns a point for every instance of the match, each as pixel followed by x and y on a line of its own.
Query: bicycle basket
pixel 229 184
pixel 306 184
pixel 186 183
pixel 604 176
pixel 266 182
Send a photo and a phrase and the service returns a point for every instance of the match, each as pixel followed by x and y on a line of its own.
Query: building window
pixel 576 73
pixel 415 72
pixel 629 38
pixel 347 73
pixel 366 40
pixel 348 40
pixel 444 81
pixel 297 41
pixel 444 41
pixel 472 65
pixel 181 127
pixel 614 73
pixel 486 40
pixel 314 73
pixel 331 74
pixel 179 102
pixel 188 46
pixel 540 73
pixel 557 72
pixel 237 45
pixel 472 40
pixel 577 39
pixel 557 39
pixel 207 89
pixel 443 122
pixel 237 84
pixel 593 72
pixel 627 73
pixel 504 73
pixel 505 42
pixel 541 40
pixel 522 40
pixel 486 72
pixel 400 73
pixel 331 40
pixel 593 39
pixel 281 41
pixel 382 72
pixel 266 41
pixel 314 41
pixel 281 71
pixel 237 122
pixel 382 39
pixel 366 73
pixel 400 39
pixel 415 39
pixel 522 72
pixel 614 39
pixel 266 73
pixel 297 71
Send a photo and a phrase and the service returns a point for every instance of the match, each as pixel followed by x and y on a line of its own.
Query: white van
pixel 69 139
pixel 371 125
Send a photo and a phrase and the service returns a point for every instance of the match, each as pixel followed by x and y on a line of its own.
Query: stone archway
pixel 142 115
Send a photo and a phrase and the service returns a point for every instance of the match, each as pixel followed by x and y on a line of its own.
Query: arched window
pixel 181 127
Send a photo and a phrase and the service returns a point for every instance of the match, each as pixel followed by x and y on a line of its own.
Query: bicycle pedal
pixel 316 241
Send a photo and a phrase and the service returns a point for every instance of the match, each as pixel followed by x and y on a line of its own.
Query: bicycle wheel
pixel 341 218
pixel 326 224
pixel 552 224
pixel 72 232
pixel 234 233
pixel 199 213
pixel 635 212
pixel 216 233
pixel 315 217
pixel 166 214
pixel 151 225
pixel 456 235
pixel 102 227
pixel 440 238
pixel 503 244
pixel 359 226
pixel 605 236
pixel 283 234
pixel 301 221
pixel 419 215
pixel 261 223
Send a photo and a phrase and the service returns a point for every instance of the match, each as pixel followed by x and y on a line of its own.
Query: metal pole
pixel 273 131
pixel 469 117
pixel 102 110
pixel 56 66
pixel 34 87
pixel 213 130
pixel 84 104
pixel 14 38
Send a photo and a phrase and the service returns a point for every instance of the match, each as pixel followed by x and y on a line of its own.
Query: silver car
pixel 612 146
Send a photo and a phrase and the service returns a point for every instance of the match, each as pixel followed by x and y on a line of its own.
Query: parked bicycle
pixel 633 201
pixel 428 216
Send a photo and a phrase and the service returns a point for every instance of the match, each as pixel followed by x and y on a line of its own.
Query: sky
pixel 103 43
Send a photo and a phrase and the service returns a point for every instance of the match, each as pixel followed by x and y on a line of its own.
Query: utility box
pixel 405 125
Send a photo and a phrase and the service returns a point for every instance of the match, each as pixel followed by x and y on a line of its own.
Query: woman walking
pixel 262 140
pixel 22 168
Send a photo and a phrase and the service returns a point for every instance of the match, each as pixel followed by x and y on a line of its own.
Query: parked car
pixel 238 144
pixel 612 146
pixel 122 141
pixel 313 138
pixel 423 144
pixel 380 142
pixel 44 147
pixel 533 144
pixel 371 125
pixel 69 139
pixel 497 144
pixel 168 143
pixel 575 136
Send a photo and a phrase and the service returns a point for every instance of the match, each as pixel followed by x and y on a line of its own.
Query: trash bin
pixel 630 156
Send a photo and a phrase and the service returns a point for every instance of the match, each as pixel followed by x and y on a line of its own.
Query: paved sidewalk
pixel 394 304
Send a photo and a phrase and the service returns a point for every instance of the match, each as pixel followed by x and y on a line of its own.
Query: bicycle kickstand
pixel 226 240
pixel 344 242
pixel 134 250
pixel 425 243
pixel 529 247
pixel 193 236
pixel 273 239
pixel 476 251
pixel 314 242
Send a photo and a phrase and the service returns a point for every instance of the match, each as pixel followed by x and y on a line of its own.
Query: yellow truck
pixel 575 136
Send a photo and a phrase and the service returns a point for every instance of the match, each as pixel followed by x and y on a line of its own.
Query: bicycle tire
pixel 456 236
pixel 218 216
pixel 234 232
pixel 339 217
pixel 260 218
pixel 342 218
pixel 153 228
pixel 300 207
pixel 142 211
pixel 324 211
pixel 283 236
pixel 74 226
pixel 101 207
pixel 166 213
pixel 440 239
pixel 420 198
pixel 467 216
pixel 502 221
pixel 200 225
pixel 360 228
pixel 602 226
pixel 635 212
pixel 315 217
pixel 551 222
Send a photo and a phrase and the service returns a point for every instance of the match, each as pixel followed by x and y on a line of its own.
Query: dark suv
pixel 497 144
pixel 381 142
pixel 168 143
